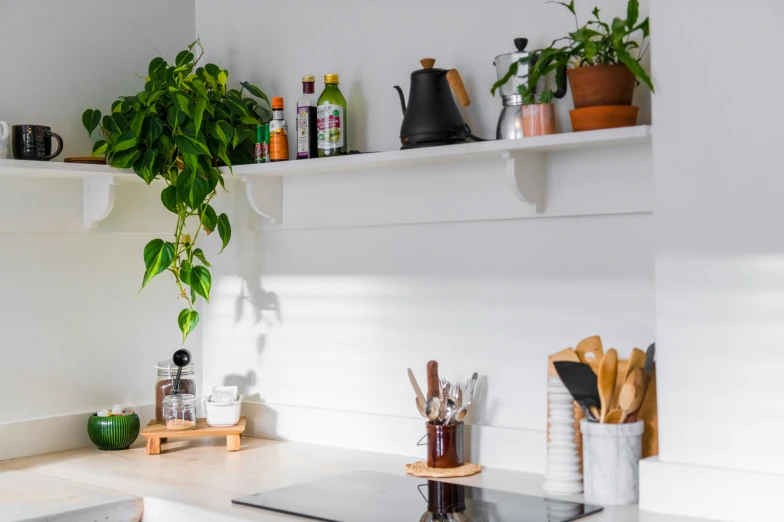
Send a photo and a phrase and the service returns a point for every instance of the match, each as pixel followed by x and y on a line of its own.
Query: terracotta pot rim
pixel 602 66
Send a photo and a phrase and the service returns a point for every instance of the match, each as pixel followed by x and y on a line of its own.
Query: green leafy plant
pixel 529 97
pixel 595 43
pixel 177 129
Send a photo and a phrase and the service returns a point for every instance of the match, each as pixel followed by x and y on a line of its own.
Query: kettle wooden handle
pixel 456 84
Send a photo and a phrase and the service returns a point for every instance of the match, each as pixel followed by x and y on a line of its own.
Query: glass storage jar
pixel 179 412
pixel 164 384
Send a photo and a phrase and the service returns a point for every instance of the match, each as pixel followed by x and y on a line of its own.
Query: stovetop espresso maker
pixel 510 121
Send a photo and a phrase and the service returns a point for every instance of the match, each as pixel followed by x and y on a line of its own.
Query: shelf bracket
pixel 97 199
pixel 527 173
pixel 265 195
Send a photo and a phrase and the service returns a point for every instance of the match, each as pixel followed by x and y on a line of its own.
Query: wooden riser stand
pixel 154 432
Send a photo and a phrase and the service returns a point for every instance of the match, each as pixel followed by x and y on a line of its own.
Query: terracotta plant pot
pixel 538 119
pixel 607 117
pixel 599 85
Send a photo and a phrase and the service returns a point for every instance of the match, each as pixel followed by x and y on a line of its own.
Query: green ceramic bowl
pixel 113 433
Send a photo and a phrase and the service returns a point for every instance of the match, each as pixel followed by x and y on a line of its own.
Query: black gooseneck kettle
pixel 432 117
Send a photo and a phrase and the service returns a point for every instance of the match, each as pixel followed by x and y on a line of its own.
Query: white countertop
pixel 196 479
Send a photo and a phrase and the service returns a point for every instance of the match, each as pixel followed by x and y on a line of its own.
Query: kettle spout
pixel 402 98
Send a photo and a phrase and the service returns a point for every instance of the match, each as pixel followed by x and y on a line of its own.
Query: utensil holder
pixel 611 462
pixel 445 445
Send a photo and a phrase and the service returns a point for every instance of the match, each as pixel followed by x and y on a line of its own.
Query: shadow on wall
pixel 243 384
pixel 263 305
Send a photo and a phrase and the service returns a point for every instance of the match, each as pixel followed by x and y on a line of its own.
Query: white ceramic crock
pixel 611 462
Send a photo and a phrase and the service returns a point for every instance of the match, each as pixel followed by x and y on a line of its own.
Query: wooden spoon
pixel 608 372
pixel 614 417
pixel 636 360
pixel 632 394
pixel 590 352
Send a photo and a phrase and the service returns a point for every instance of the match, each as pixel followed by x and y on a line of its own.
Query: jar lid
pixel 331 78
pixel 308 78
pixel 170 366
pixel 179 399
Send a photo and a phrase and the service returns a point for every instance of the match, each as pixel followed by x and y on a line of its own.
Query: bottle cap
pixel 331 78
pixel 309 78
pixel 277 102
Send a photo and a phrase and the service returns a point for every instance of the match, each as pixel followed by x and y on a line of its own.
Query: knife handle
pixel 433 386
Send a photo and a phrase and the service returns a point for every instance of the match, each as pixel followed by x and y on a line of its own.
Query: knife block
pixel 648 411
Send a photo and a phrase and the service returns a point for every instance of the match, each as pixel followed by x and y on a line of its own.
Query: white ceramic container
pixel 223 413
pixel 611 462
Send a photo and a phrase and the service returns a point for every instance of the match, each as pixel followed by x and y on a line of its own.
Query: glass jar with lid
pixel 164 385
pixel 179 412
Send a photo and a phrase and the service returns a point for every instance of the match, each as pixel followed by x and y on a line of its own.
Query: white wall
pixel 375 45
pixel 719 259
pixel 313 320
pixel 74 338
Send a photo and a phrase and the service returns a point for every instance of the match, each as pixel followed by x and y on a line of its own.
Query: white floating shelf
pixel 525 163
pixel 524 159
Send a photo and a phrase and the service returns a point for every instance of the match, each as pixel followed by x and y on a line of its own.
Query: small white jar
pixel 611 462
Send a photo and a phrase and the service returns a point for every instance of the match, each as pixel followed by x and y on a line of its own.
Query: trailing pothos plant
pixel 595 43
pixel 177 129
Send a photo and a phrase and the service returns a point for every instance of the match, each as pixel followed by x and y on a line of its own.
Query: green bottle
pixel 331 119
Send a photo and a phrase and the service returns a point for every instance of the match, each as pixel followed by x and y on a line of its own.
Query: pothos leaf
pixel 199 254
pixel 201 281
pixel 187 320
pixel 91 119
pixel 209 219
pixel 169 198
pixel 158 255
pixel 224 230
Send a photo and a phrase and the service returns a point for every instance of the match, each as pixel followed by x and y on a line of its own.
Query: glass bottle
pixel 331 114
pixel 279 132
pixel 307 130
pixel 164 384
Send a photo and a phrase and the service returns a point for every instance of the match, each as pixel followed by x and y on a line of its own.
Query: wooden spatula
pixel 590 352
pixel 608 372
pixel 632 394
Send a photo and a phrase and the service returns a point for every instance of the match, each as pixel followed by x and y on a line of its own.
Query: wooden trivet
pixel 154 432
pixel 421 469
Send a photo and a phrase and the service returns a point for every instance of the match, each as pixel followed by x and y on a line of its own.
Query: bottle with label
pixel 258 151
pixel 265 144
pixel 279 132
pixel 331 114
pixel 307 130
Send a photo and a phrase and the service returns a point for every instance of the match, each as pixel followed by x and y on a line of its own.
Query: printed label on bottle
pixel 258 154
pixel 330 126
pixel 279 141
pixel 302 132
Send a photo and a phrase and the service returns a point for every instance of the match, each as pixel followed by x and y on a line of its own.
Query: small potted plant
pixel 538 117
pixel 602 63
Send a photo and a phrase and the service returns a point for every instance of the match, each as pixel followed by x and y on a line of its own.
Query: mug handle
pixel 59 144
pixel 3 131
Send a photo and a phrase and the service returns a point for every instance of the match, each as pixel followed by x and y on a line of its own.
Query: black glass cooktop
pixel 366 496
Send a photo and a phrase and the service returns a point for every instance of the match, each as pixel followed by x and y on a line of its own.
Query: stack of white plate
pixel 563 475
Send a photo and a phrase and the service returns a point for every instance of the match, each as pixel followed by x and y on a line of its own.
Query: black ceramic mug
pixel 34 142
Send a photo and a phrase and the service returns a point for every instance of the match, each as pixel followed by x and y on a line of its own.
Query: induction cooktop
pixel 365 496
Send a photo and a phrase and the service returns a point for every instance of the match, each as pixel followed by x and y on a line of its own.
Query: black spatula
pixel 580 380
